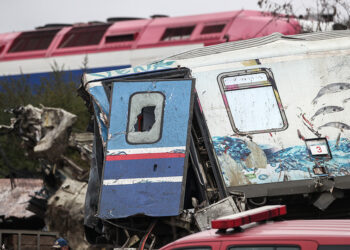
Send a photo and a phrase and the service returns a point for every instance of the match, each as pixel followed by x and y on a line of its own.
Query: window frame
pixel 270 82
pixel 234 247
pixel 76 32
pixel 193 247
pixel 16 46
pixel 171 30
pixel 161 122
pixel 209 25
pixel 333 247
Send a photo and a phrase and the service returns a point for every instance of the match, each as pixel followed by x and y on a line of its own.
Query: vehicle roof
pixel 255 42
pixel 275 45
pixel 320 231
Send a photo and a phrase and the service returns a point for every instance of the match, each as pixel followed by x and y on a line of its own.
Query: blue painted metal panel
pixel 143 198
pixel 101 109
pixel 143 168
pixel 102 126
pixel 146 178
pixel 100 98
pixel 176 112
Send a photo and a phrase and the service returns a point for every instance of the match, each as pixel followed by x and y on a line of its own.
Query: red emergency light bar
pixel 246 217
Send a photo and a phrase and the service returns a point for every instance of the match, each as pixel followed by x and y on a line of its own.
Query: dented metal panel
pixel 311 90
pixel 146 176
pixel 221 208
pixel 264 137
pixel 101 107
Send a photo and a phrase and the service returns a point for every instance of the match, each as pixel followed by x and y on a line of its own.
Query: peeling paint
pixel 265 164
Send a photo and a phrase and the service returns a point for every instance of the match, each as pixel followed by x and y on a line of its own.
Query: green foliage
pixel 57 90
pixel 13 159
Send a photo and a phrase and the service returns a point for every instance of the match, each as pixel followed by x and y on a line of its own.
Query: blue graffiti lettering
pixel 122 71
pixel 138 69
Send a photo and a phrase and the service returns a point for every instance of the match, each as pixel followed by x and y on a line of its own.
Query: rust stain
pixel 250 62
pixel 300 135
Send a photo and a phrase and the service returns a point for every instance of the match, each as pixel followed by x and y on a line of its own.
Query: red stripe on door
pixel 144 156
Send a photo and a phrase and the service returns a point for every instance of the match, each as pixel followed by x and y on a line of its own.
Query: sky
pixel 20 15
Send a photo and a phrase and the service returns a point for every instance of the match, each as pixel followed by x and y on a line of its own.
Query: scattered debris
pixel 58 198
pixel 14 200
pixel 65 212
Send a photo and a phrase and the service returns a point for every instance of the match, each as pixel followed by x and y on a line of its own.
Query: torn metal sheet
pixel 100 106
pixel 65 212
pixel 42 129
pixel 54 124
pixel 221 208
pixel 148 175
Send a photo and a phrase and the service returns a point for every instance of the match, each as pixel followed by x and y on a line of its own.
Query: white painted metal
pixel 311 73
pixel 142 180
pixel 95 60
pixel 254 109
pixel 145 150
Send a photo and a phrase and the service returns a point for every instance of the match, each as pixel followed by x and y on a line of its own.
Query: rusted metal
pixel 16 239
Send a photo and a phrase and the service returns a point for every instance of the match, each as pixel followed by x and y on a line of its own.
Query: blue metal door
pixel 146 158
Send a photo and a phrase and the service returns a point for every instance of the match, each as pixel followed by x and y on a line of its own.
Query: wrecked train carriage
pixel 269 125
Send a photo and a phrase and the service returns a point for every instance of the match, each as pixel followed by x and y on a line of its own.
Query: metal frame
pixel 207 142
pixel 317 185
pixel 323 156
pixel 161 122
pixel 270 82
pixel 27 232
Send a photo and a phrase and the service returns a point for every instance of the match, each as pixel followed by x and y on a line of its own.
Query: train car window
pixel 211 29
pixel 145 119
pixel 2 48
pixel 33 40
pixel 121 38
pixel 265 248
pixel 83 36
pixel 194 248
pixel 334 247
pixel 252 102
pixel 178 33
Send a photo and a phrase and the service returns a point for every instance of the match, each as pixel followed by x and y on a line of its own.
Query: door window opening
pixel 145 119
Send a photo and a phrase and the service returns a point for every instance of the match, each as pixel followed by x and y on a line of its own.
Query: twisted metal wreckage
pixel 45 134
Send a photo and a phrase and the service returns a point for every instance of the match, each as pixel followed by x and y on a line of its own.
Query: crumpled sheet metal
pixel 54 124
pixel 101 108
pixel 42 129
pixel 65 213
pixel 14 199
